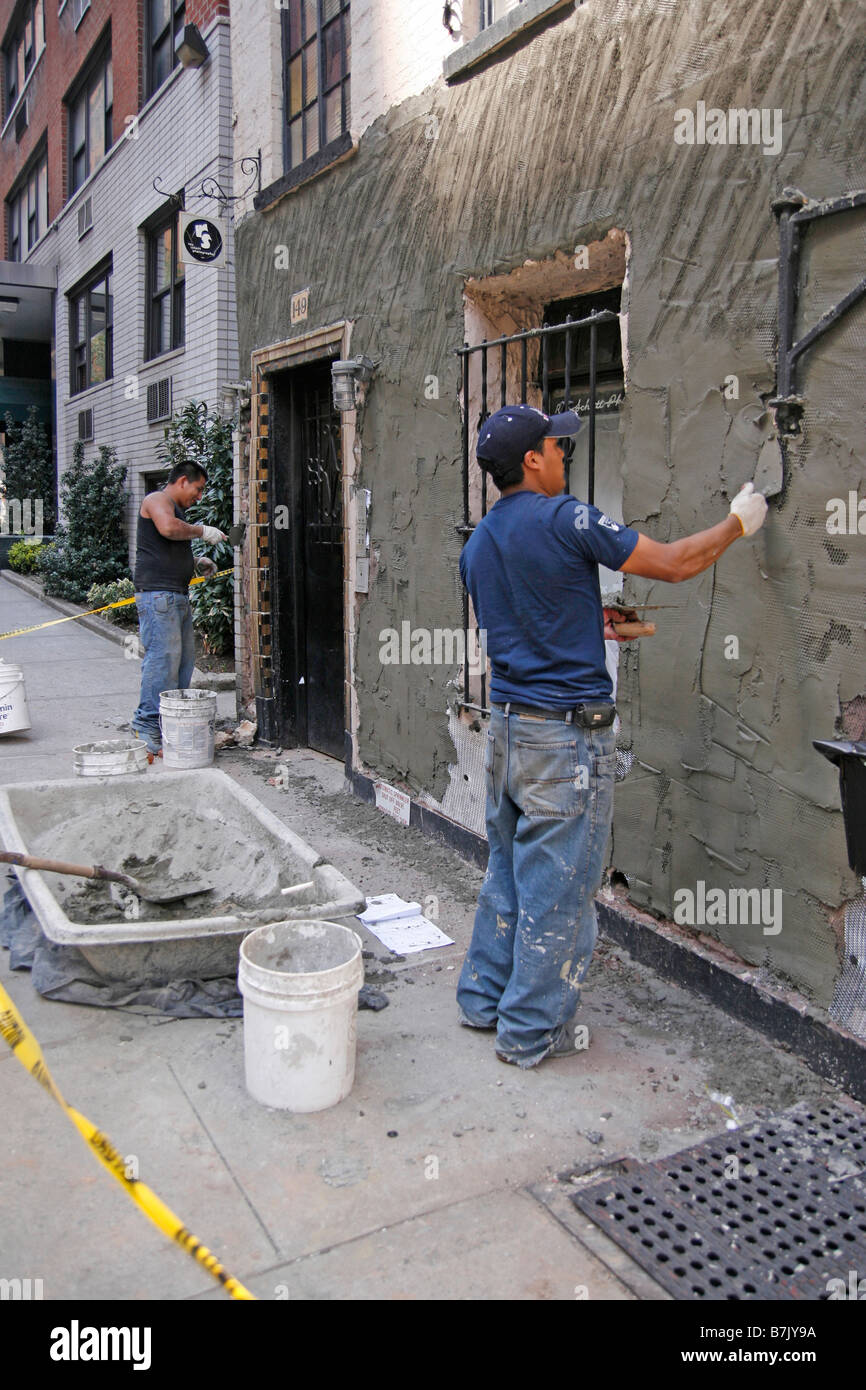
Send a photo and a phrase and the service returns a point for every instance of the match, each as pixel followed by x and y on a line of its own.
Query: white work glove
pixel 212 535
pixel 750 509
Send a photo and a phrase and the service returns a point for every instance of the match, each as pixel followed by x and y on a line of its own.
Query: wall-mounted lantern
pixel 348 378
pixel 192 50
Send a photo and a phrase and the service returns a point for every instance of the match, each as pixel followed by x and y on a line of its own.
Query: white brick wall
pixel 257 78
pixel 183 135
pixel 397 50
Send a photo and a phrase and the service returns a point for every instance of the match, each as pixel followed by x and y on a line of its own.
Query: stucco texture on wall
pixel 570 136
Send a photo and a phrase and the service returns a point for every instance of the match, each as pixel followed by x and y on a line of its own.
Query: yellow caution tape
pixel 25 1047
pixel 120 603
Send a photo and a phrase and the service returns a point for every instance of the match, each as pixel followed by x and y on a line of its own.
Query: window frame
pixel 33 180
pixel 175 291
pixel 14 47
pixel 177 9
pixel 99 68
pixel 486 16
pixel 290 55
pixel 80 352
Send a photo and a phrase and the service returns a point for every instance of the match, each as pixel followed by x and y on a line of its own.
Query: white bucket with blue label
pixel 14 715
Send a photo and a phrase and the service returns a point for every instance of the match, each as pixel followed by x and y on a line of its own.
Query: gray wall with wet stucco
pixel 551 147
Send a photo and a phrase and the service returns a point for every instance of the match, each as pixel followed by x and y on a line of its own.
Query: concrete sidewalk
pixel 443 1175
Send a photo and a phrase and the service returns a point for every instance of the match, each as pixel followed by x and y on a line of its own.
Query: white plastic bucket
pixel 109 758
pixel 300 983
pixel 14 714
pixel 187 719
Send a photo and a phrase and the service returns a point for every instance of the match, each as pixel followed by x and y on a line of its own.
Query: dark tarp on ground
pixel 61 973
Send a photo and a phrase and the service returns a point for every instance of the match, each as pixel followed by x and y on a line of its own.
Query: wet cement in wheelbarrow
pixel 152 845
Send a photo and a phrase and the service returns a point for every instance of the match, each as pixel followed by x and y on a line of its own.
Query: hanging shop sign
pixel 202 240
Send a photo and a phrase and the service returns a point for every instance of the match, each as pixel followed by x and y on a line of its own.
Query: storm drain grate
pixel 773 1211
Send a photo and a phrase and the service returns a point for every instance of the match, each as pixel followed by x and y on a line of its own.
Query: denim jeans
pixel 165 627
pixel 549 809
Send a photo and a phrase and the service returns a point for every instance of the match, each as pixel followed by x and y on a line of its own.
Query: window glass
pixel 311 67
pixel 311 126
pixel 97 333
pixel 333 114
pixel 329 9
pixel 296 139
pixel 311 18
pixel 160 13
pixel 295 35
pixel 162 273
pixel 96 115
pixel 43 196
pixel 295 95
pixel 333 54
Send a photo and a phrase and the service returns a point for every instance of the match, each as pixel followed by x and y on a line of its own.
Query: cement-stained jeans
pixel 549 809
pixel 165 627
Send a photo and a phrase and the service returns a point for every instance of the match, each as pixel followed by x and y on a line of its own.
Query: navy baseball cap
pixel 507 434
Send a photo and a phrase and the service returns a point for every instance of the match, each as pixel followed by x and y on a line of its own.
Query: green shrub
pixel 90 543
pixel 197 435
pixel 28 468
pixel 24 557
pixel 98 595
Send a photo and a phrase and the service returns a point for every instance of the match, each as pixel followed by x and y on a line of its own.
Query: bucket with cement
pixel 300 983
pixel 187 719
pixel 14 714
pixel 111 757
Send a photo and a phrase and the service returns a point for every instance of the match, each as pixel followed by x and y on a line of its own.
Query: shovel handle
pixel 60 866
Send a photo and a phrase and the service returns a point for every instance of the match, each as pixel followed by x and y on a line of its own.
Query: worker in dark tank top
pixel 164 566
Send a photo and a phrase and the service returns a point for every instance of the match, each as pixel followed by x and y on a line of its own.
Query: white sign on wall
pixel 300 306
pixel 202 239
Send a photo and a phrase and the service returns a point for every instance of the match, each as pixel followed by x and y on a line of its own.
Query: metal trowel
pixel 755 427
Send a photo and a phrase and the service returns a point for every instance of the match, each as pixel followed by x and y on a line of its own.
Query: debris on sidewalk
pixel 400 925
pixel 242 736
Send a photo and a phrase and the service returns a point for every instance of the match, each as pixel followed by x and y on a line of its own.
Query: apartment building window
pixel 91 330
pixel 26 41
pixel 317 49
pixel 90 120
pixel 165 25
pixel 491 10
pixel 27 210
pixel 166 319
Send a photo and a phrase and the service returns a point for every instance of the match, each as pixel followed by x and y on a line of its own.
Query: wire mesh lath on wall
pixel 507 376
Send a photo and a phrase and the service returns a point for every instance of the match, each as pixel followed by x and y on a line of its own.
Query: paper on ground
pixel 400 925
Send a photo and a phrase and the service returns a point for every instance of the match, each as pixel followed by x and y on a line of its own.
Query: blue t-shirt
pixel 531 567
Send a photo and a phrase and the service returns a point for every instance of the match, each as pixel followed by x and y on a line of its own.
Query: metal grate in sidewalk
pixel 776 1210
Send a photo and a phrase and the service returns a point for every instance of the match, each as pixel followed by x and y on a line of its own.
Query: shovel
pixel 181 888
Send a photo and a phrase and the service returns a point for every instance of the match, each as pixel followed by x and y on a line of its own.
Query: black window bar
pixel 544 335
pixel 795 211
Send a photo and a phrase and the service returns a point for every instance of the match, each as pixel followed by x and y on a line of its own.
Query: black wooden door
pixel 307 551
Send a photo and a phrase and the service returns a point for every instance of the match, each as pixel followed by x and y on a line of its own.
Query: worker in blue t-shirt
pixel 531 568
